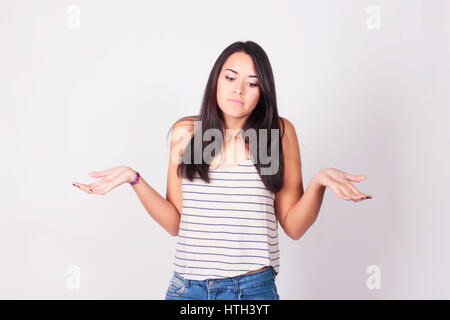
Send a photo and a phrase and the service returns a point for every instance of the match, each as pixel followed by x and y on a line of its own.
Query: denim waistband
pixel 242 281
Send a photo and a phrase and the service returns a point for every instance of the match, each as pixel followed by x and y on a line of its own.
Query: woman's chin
pixel 234 112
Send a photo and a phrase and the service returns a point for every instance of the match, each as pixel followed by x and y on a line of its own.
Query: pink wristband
pixel 136 180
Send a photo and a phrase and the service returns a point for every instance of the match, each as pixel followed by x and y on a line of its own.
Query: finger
pixel 346 196
pixel 360 196
pixel 75 184
pixel 350 194
pixel 355 178
pixel 97 188
pixel 345 193
pixel 86 188
pixel 99 174
pixel 91 187
pixel 356 192
pixel 340 192
pixel 95 184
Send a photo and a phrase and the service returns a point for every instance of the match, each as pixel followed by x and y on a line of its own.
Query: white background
pixel 365 100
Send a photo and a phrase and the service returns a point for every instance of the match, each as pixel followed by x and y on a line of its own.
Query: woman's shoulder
pixel 186 122
pixel 286 127
pixel 289 137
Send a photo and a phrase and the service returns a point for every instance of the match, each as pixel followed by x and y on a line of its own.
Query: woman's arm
pixel 297 210
pixel 167 211
pixel 302 214
pixel 160 209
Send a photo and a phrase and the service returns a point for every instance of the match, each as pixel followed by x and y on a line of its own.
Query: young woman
pixel 225 208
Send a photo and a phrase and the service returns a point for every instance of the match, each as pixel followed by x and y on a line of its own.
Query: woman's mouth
pixel 236 101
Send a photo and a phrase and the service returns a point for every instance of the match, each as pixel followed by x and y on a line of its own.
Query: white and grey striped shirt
pixel 228 227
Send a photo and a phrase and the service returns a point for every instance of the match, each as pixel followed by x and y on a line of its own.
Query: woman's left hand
pixel 340 183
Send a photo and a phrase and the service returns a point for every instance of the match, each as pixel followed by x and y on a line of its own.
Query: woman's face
pixel 237 80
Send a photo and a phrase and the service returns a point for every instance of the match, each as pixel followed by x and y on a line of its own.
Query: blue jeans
pixel 258 285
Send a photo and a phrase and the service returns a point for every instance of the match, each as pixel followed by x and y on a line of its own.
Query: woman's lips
pixel 236 101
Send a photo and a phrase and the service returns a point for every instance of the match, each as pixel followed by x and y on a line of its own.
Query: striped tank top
pixel 228 227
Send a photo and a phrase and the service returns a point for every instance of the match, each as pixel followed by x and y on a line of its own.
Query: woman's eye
pixel 251 84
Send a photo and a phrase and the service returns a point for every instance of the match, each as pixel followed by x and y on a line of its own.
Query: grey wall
pixel 88 85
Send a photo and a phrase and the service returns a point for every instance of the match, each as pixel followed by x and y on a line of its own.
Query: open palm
pixel 340 183
pixel 111 178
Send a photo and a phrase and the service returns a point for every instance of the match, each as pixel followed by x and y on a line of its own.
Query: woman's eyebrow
pixel 252 76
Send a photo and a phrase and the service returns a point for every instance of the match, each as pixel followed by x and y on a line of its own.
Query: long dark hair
pixel 264 116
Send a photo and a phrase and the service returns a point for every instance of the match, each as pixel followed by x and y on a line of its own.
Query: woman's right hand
pixel 112 178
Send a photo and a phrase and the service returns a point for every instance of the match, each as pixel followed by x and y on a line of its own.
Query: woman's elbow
pixel 291 233
pixel 295 236
pixel 174 230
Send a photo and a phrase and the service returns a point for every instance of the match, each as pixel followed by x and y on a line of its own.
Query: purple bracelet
pixel 138 176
